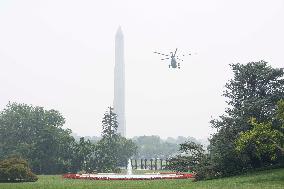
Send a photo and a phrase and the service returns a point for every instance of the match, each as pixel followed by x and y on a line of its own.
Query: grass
pixel 269 179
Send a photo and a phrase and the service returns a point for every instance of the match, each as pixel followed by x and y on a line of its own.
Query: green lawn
pixel 259 180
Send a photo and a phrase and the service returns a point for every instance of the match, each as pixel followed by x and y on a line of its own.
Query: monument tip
pixel 119 31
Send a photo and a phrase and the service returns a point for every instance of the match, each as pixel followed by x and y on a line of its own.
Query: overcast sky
pixel 60 55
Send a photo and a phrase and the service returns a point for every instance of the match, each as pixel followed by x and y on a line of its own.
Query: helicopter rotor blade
pixel 156 52
pixel 165 58
pixel 175 52
pixel 161 53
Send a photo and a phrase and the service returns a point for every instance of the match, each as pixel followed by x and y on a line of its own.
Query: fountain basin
pixel 149 176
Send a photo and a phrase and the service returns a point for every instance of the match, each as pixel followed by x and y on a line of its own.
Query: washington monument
pixel 119 83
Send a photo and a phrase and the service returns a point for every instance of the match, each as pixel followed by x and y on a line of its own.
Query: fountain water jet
pixel 129 167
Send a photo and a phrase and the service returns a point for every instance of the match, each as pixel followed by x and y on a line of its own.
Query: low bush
pixel 16 169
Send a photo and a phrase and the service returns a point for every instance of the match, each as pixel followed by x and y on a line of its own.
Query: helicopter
pixel 175 60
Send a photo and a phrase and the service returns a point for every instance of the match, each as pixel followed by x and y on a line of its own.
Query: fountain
pixel 129 175
pixel 129 167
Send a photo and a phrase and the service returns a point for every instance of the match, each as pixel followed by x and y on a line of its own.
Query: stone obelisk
pixel 119 83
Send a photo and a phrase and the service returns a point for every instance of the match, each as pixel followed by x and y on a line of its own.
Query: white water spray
pixel 129 167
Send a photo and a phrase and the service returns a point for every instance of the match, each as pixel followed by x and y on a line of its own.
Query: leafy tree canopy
pixel 37 135
pixel 254 92
pixel 265 139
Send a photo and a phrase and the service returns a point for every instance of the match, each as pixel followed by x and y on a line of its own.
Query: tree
pixel 106 149
pixel 37 135
pixel 191 155
pixel 110 125
pixel 126 149
pixel 82 155
pixel 253 92
pixel 112 150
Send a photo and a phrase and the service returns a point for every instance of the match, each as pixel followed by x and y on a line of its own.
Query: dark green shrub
pixel 16 169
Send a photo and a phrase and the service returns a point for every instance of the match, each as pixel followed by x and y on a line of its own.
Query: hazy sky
pixel 60 54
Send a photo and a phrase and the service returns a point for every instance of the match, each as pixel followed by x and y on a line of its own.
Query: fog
pixel 60 55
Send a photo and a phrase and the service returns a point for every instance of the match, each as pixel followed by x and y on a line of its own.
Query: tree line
pixel 151 147
pixel 37 135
